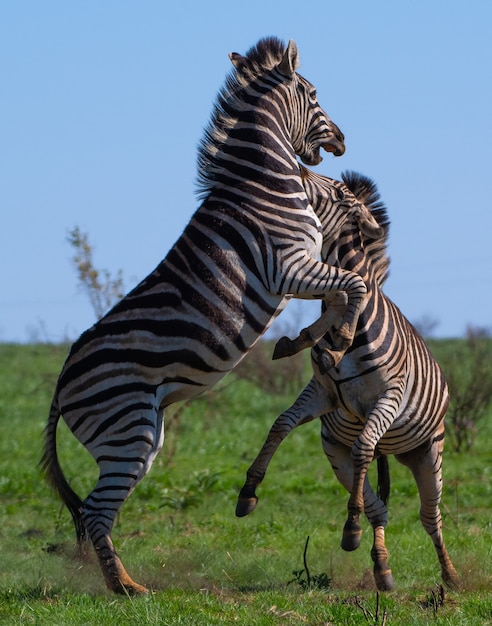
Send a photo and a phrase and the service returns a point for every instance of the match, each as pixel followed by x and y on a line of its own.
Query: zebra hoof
pixel 352 534
pixel 124 585
pixel 345 335
pixel 134 590
pixel 325 362
pixel 283 348
pixel 452 580
pixel 383 579
pixel 245 506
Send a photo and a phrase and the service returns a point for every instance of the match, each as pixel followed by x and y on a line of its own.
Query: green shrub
pixel 467 365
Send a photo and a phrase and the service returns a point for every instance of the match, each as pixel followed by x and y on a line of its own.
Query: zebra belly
pixel 418 403
pixel 405 434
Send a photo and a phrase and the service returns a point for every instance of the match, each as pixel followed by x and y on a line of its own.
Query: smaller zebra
pixel 386 396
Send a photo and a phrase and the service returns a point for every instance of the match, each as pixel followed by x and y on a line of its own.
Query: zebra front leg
pixel 343 466
pixel 341 334
pixel 425 464
pixel 353 480
pixel 374 508
pixel 377 422
pixel 336 306
pixel 352 530
pixel 310 404
pixel 247 499
pixel 307 338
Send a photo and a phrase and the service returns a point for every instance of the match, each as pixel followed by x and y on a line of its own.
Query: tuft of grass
pixel 304 578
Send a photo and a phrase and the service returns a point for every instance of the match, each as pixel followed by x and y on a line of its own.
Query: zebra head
pixel 308 126
pixel 337 205
pixel 312 128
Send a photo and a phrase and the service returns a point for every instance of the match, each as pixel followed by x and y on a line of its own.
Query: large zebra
pixel 386 396
pixel 253 243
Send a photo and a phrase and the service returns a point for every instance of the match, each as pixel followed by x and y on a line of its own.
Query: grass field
pixel 178 534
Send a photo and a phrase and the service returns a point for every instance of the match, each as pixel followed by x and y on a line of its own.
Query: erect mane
pixel 259 59
pixel 366 191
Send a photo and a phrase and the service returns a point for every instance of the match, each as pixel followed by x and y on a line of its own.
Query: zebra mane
pixel 259 59
pixel 366 191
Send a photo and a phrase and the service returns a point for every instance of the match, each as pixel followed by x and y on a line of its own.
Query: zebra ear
pixel 236 58
pixel 290 62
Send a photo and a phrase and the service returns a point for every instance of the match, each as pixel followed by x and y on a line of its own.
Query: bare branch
pixel 102 290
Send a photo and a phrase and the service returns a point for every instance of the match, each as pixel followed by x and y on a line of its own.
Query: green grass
pixel 204 565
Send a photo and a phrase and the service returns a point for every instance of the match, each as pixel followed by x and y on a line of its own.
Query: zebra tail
pixel 50 466
pixel 384 482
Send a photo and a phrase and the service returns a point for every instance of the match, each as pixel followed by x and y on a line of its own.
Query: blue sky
pixel 102 106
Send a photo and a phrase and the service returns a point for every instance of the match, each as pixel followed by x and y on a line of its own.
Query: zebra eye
pixel 313 95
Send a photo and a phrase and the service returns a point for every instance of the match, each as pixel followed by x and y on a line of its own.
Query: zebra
pixel 253 243
pixel 386 396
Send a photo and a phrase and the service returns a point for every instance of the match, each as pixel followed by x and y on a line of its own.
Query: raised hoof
pixel 283 348
pixel 245 506
pixel 383 579
pixel 351 542
pixel 351 537
pixel 326 361
pixel 345 335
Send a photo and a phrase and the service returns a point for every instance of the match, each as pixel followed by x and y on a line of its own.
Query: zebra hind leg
pixel 99 512
pixel 118 477
pixel 377 514
pixel 426 465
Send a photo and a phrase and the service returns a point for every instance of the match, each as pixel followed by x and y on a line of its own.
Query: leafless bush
pixel 426 325
pixel 102 289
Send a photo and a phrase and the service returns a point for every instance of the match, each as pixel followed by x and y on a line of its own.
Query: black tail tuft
pixel 384 482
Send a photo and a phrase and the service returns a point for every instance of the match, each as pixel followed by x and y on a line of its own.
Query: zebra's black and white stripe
pixel 386 396
pixel 253 243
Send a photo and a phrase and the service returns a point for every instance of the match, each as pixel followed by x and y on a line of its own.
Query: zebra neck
pixel 265 195
pixel 355 255
pixel 248 153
